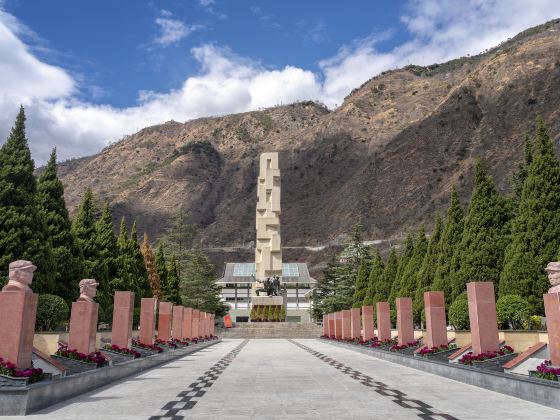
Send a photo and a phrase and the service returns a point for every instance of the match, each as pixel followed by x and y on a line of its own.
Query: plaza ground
pixel 294 379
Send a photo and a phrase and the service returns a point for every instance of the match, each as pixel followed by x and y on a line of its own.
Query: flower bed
pixel 95 358
pixel 153 347
pixel 470 358
pixel 170 343
pixel 546 371
pixel 426 351
pixel 122 350
pixel 404 347
pixel 19 376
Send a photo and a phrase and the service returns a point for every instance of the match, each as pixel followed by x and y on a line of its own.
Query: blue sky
pixel 90 72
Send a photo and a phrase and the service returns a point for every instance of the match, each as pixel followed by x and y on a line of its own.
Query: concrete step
pixel 273 330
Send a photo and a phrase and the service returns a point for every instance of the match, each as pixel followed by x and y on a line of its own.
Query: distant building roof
pixel 245 273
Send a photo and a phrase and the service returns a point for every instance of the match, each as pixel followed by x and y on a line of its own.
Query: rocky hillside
pixel 388 156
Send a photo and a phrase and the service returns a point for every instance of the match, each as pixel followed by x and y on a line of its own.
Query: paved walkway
pixel 293 379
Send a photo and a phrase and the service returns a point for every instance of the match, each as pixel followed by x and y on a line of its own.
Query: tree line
pixel 505 239
pixel 35 225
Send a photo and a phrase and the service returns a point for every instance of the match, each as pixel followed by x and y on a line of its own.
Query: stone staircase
pixel 273 330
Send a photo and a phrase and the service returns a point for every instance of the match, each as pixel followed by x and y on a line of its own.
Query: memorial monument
pixel 83 318
pixel 263 283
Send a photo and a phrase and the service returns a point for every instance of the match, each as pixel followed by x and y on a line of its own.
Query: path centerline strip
pixel 424 410
pixel 188 398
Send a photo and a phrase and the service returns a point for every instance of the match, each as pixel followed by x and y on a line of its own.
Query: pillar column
pixel 187 323
pixel 164 320
pixel 123 312
pixel 436 325
pixel 346 324
pixel 83 326
pixel 482 315
pixel 177 323
pixel 196 323
pixel 356 328
pixel 147 320
pixel 367 323
pixel 405 327
pixel 552 311
pixel 338 325
pixel 383 321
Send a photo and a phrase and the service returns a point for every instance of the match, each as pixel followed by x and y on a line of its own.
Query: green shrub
pixel 51 311
pixel 512 311
pixel 136 318
pixel 107 315
pixel 459 313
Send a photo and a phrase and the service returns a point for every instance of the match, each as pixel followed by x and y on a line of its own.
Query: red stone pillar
pixel 83 326
pixel 552 311
pixel 148 308
pixel 482 315
pixel 203 324
pixel 367 322
pixel 187 323
pixel 346 324
pixel 436 325
pixel 383 321
pixel 356 328
pixel 338 324
pixel 405 327
pixel 177 323
pixel 17 326
pixel 123 312
pixel 196 323
pixel 164 320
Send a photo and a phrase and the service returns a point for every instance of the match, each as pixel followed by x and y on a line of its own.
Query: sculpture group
pixel 18 307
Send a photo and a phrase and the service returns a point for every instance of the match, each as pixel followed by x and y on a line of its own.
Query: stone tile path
pixel 289 379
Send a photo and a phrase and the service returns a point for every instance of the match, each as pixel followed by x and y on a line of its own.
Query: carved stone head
pixel 20 276
pixel 88 290
pixel 553 270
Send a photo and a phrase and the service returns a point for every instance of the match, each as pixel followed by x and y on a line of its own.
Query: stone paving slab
pixel 290 379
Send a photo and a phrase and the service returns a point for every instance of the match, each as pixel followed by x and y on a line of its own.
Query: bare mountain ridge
pixel 388 156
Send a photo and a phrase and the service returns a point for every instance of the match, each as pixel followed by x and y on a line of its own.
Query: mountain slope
pixel 387 156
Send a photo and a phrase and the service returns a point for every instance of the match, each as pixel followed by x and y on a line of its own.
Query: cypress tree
pixel 425 276
pixel 150 264
pixel 83 228
pixel 173 283
pixel 480 254
pixel 535 231
pixel 107 254
pixel 198 288
pixel 520 175
pixel 361 284
pixel 23 233
pixel 450 239
pixel 374 280
pixel 383 289
pixel 403 262
pixel 67 255
pixel 323 293
pixel 138 269
pixel 410 274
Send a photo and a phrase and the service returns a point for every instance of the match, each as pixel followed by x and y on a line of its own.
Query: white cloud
pixel 227 83
pixel 172 30
pixel 206 3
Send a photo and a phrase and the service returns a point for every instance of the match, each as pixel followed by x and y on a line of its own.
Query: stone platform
pixel 266 300
pixel 274 330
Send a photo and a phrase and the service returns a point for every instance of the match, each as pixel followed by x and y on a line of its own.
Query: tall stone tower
pixel 268 250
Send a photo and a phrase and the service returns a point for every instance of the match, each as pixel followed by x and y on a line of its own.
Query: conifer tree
pixel 480 254
pixel 138 268
pixel 324 291
pixel 150 264
pixel 374 290
pixel 67 255
pixel 403 262
pixel 198 286
pixel 425 276
pixel 520 175
pixel 173 282
pixel 361 284
pixel 106 256
pixel 83 228
pixel 23 233
pixel 450 239
pixel 412 270
pixel 535 231
pixel 383 289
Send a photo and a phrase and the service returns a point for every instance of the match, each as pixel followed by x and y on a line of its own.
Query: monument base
pixel 267 300
pixel 17 327
pixel 83 326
